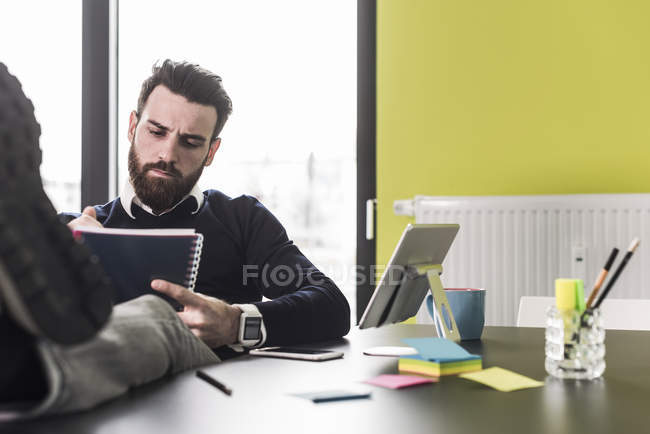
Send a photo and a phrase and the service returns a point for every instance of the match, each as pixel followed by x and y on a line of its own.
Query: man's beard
pixel 160 194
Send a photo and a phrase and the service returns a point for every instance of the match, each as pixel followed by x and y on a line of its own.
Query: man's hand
pixel 213 321
pixel 87 218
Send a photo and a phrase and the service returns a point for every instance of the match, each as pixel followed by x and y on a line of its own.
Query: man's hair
pixel 196 84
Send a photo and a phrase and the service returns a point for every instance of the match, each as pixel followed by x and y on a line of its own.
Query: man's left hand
pixel 213 321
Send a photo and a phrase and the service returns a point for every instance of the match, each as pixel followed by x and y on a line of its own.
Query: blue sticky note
pixel 333 395
pixel 439 349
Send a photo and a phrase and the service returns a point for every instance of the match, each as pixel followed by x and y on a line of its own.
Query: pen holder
pixel 575 344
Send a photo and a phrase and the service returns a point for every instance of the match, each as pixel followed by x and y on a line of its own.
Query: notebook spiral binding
pixel 193 269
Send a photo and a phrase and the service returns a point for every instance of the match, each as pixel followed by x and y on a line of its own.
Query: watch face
pixel 253 329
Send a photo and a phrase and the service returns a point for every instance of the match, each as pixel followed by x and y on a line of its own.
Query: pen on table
pixel 208 379
pixel 601 277
pixel 619 270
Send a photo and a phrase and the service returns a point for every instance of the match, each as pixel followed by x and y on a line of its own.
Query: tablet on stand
pixel 413 270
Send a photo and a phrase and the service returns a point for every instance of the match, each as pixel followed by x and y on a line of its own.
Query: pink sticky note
pixel 399 381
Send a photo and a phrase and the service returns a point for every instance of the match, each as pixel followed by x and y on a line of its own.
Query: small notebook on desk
pixel 132 258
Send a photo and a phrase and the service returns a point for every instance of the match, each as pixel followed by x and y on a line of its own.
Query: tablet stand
pixel 440 302
pixel 445 322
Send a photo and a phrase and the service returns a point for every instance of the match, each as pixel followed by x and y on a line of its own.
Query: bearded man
pixel 174 135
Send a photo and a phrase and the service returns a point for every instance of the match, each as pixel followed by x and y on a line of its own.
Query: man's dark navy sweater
pixel 247 255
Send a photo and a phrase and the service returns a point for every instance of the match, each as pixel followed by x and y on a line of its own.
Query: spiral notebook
pixel 132 258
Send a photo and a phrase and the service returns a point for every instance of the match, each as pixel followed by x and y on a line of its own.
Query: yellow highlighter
pixel 570 302
pixel 565 295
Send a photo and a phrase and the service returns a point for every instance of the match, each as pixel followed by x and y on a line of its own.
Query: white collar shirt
pixel 128 197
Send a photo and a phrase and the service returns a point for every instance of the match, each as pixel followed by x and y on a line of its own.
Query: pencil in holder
pixel 575 343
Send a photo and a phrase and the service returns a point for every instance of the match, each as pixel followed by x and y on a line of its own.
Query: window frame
pixel 98 101
pixel 366 146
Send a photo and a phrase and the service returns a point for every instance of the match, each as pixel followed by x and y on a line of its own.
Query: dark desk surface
pixel 617 403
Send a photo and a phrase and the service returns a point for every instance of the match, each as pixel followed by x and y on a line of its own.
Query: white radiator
pixel 518 245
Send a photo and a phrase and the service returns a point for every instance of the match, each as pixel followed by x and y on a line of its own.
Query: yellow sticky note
pixel 501 379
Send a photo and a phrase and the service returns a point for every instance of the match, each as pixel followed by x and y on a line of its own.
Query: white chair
pixel 618 314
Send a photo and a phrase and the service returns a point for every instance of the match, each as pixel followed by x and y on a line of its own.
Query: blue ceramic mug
pixel 468 307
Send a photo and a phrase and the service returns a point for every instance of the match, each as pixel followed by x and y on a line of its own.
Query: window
pixel 48 64
pixel 290 68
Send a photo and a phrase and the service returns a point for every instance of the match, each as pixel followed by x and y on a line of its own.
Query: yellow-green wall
pixel 506 97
